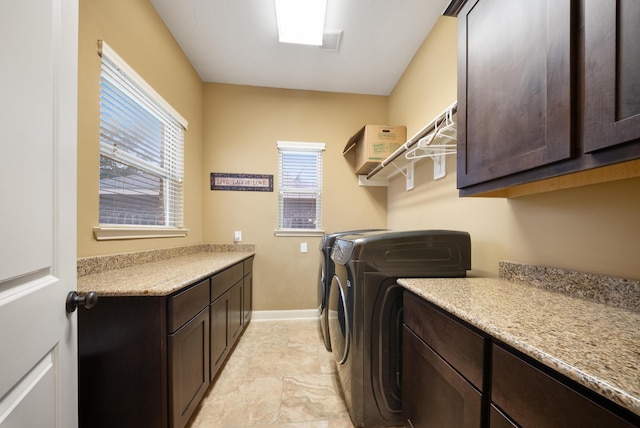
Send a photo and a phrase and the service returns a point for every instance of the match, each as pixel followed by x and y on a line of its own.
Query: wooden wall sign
pixel 244 182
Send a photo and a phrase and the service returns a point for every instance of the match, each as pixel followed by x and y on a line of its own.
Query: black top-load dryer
pixel 365 311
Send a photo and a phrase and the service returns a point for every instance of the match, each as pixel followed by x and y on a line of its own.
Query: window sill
pixel 107 233
pixel 298 232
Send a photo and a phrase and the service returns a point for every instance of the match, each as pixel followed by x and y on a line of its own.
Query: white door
pixel 38 98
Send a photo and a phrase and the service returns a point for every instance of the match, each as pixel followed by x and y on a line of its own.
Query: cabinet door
pixel 433 393
pixel 220 341
pixel 123 373
pixel 235 312
pixel 612 73
pixel 189 362
pixel 247 298
pixel 532 398
pixel 514 87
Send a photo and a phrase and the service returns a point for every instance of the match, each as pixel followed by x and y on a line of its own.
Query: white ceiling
pixel 236 42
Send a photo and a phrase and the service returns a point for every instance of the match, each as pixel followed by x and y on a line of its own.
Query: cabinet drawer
pixel 248 266
pixel 532 398
pixel 457 344
pixel 186 304
pixel 224 280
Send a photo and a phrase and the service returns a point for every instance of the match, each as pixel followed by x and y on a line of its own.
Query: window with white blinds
pixel 141 150
pixel 299 187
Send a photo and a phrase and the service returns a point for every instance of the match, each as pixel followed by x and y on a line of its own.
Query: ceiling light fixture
pixel 301 21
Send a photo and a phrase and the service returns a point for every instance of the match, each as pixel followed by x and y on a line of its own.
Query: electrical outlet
pixel 237 236
pixel 303 247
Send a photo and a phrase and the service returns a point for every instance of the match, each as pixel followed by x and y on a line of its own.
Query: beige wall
pixel 242 126
pixel 134 30
pixel 591 229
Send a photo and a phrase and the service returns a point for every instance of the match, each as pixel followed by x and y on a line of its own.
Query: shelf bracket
pixel 373 182
pixel 409 175
pixel 408 172
pixel 439 166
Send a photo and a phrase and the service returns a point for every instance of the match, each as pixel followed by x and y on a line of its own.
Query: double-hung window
pixel 299 188
pixel 141 156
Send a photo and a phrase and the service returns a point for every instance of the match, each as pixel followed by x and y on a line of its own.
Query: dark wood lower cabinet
pixel 461 347
pixel 122 376
pixel 434 394
pixel 146 361
pixel 220 341
pixel 236 317
pixel 226 325
pixel 532 398
pixel 226 311
pixel 247 297
pixel 189 362
pixel 439 357
pixel 498 420
pixel 442 368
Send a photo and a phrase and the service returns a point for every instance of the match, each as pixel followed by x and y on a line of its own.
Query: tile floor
pixel 279 375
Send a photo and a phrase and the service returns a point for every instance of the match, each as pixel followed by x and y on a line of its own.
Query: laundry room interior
pixel 234 128
pixel 423 294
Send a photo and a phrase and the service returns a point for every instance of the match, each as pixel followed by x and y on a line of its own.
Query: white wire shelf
pixel 435 141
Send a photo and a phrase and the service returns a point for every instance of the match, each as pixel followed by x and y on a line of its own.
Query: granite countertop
pixel 595 344
pixel 160 277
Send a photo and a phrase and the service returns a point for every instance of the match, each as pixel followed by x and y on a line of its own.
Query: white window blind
pixel 141 150
pixel 300 186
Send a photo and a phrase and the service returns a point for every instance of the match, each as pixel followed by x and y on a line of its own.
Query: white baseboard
pixel 298 314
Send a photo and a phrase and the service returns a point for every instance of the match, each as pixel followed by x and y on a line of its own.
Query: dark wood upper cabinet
pixel 548 94
pixel 612 73
pixel 514 87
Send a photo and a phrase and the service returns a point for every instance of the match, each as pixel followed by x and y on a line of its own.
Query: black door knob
pixel 74 300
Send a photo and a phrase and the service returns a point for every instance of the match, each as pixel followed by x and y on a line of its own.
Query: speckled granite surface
pixel 156 273
pixel 98 264
pixel 624 293
pixel 595 344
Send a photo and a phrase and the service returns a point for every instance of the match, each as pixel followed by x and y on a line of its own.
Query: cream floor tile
pixel 310 398
pixel 243 402
pixel 341 423
pixel 314 424
pixel 293 359
pixel 305 332
pixel 279 375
